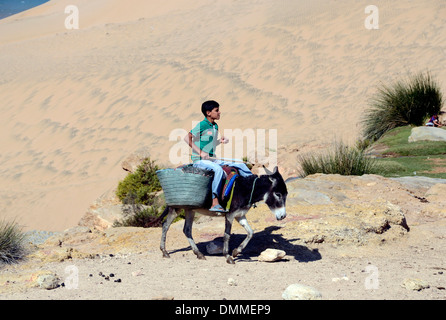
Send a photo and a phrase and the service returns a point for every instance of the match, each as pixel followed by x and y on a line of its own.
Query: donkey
pixel 270 188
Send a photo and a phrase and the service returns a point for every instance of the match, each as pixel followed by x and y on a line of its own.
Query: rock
pixel 60 254
pixel 418 183
pixel 48 281
pixel 344 278
pixel 232 282
pixel 301 292
pixel 414 284
pixel 132 162
pixel 436 193
pixel 102 218
pixel 271 255
pixel 137 273
pixel 427 133
pixel 355 223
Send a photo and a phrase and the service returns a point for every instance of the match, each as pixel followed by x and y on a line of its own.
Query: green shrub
pixel 138 215
pixel 406 102
pixel 341 159
pixel 12 246
pixel 142 184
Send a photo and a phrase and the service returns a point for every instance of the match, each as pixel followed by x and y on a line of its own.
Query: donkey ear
pixel 273 181
pixel 267 171
pixel 276 169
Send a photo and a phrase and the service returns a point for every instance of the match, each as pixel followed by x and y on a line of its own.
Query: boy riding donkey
pixel 203 139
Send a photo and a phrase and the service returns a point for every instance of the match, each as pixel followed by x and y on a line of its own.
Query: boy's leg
pixel 218 176
pixel 243 169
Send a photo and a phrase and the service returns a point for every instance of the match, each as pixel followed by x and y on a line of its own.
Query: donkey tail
pixel 158 220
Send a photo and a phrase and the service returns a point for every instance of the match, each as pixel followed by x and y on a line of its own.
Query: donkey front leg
pixel 171 215
pixel 228 226
pixel 187 230
pixel 244 223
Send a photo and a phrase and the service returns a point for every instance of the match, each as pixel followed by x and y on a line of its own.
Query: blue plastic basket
pixel 185 189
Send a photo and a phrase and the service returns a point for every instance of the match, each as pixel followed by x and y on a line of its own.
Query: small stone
pixel 232 282
pixel 301 292
pixel 415 284
pixel 48 281
pixel 271 255
pixel 137 273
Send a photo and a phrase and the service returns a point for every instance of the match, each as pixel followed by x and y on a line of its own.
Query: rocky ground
pixel 363 237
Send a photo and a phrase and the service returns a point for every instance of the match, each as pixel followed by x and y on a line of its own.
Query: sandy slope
pixel 75 103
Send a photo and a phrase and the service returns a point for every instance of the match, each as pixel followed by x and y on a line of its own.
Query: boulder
pixel 415 284
pixel 102 218
pixel 301 292
pixel 132 162
pixel 427 133
pixel 48 281
pixel 271 255
pixel 436 193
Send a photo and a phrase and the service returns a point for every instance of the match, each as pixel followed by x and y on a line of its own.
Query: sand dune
pixel 75 103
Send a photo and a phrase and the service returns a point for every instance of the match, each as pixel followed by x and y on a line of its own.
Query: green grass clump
pixel 142 184
pixel 341 159
pixel 12 246
pixel 406 102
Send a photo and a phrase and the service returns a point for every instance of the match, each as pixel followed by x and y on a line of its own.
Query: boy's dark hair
pixel 208 106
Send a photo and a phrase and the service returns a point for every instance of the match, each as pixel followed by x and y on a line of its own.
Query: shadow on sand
pixel 261 241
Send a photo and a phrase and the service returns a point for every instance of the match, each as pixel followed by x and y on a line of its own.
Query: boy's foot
pixel 217 208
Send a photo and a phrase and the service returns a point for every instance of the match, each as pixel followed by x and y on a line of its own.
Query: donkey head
pixel 275 198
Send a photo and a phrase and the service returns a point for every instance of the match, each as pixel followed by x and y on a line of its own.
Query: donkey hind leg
pixel 171 215
pixel 187 230
pixel 228 226
pixel 244 223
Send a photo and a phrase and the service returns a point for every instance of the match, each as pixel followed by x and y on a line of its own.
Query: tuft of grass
pixel 12 246
pixel 406 102
pixel 340 159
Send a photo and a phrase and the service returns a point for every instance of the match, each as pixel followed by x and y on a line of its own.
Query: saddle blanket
pixel 228 187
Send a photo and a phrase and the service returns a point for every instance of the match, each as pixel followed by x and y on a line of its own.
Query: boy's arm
pixel 189 138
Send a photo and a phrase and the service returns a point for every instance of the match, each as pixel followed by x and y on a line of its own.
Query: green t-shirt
pixel 207 135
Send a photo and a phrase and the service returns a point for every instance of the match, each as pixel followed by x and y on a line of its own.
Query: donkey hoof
pixel 230 260
pixel 165 254
pixel 201 256
pixel 235 253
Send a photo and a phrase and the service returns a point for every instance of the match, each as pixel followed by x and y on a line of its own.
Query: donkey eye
pixel 278 195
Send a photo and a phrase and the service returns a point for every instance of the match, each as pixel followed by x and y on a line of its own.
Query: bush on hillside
pixel 142 184
pixel 12 246
pixel 406 102
pixel 138 215
pixel 340 159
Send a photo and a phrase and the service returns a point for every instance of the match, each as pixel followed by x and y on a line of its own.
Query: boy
pixel 203 139
pixel 434 122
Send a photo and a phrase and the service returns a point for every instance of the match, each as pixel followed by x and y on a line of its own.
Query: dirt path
pixel 338 272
